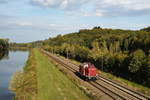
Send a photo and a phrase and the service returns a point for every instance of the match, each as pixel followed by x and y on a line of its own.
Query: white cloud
pixel 100 7
pixel 30 25
pixel 129 4
pixel 64 4
pixel 61 4
pixel 24 23
pixel 47 3
pixel 92 14
pixel 52 25
pixel 123 7
pixel 99 14
pixel 86 14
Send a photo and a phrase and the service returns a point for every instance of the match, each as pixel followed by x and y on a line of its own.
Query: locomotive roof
pixel 87 63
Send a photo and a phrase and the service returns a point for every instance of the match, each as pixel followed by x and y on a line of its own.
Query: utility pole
pixel 102 62
pixel 67 53
pixel 52 50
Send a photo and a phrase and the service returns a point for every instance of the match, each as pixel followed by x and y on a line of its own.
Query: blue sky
pixel 31 20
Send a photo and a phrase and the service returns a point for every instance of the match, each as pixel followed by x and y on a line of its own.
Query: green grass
pixel 53 84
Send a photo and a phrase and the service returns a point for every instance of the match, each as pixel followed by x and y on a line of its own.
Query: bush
pixel 137 59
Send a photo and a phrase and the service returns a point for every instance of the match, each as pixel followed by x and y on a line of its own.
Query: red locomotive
pixel 88 71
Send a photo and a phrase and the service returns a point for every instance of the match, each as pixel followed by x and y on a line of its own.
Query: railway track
pixel 107 86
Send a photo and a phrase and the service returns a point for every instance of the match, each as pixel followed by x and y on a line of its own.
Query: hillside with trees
pixel 123 53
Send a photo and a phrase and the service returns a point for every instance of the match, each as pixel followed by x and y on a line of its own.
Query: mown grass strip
pixel 53 84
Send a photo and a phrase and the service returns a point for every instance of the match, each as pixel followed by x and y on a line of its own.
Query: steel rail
pixel 68 65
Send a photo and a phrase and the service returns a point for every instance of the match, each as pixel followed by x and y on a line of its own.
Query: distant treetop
pixel 97 27
pixel 146 29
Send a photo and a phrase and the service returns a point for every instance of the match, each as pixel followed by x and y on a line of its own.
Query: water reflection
pixel 10 62
pixel 4 54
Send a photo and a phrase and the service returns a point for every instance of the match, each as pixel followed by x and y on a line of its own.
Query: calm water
pixel 8 65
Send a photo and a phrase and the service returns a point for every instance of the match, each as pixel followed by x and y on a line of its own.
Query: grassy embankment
pixel 49 83
pixel 24 83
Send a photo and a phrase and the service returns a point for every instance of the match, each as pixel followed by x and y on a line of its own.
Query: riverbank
pixel 41 80
pixel 24 83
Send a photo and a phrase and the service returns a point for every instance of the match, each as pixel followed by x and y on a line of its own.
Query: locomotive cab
pixel 87 71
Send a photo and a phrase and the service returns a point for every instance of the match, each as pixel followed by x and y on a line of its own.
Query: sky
pixel 31 20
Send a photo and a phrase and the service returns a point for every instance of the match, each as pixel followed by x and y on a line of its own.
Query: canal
pixel 10 62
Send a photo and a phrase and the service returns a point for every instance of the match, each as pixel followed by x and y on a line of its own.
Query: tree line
pixel 124 53
pixel 4 44
pixel 24 46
